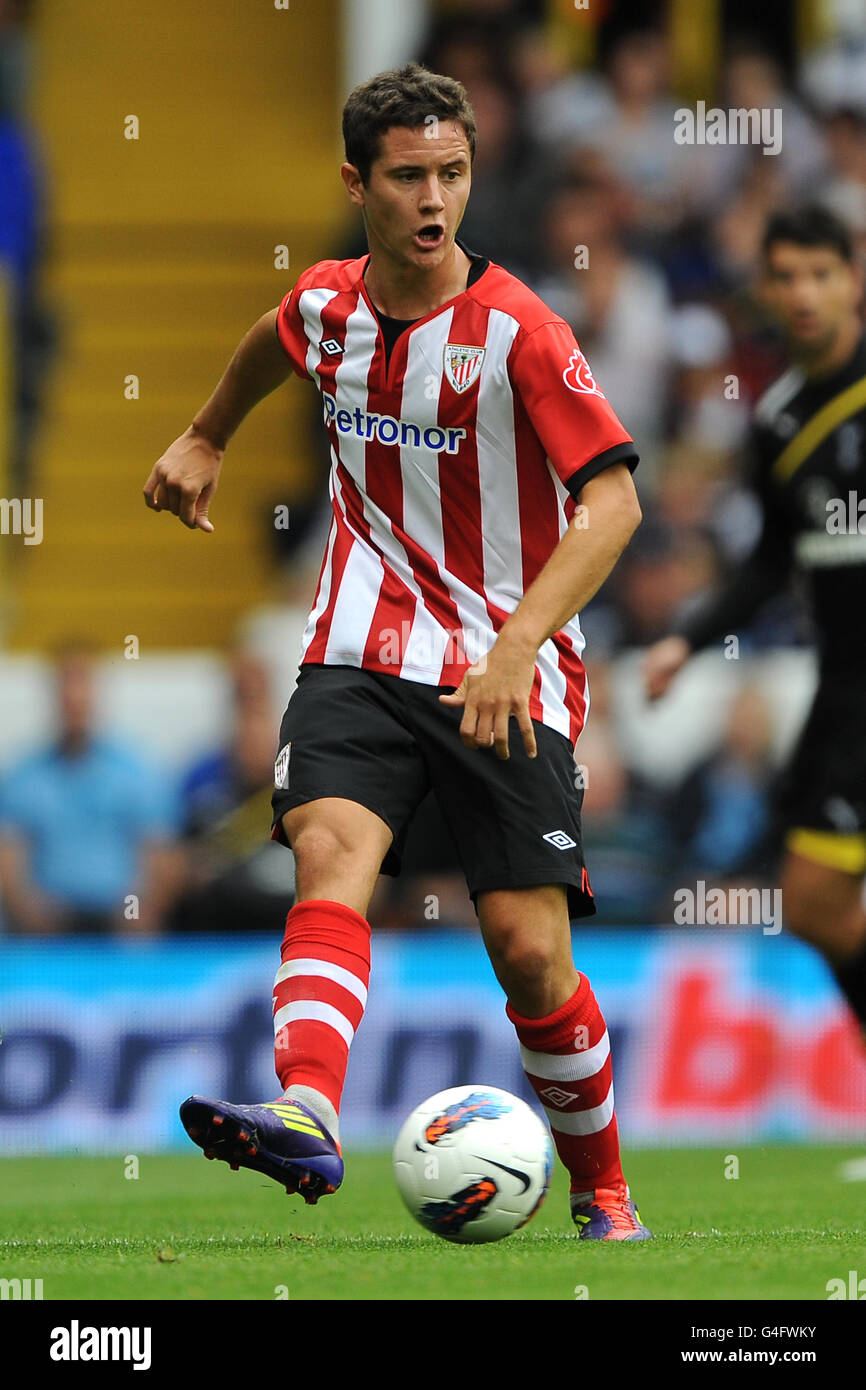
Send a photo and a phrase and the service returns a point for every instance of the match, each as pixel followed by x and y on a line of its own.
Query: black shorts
pixel 385 741
pixel 824 784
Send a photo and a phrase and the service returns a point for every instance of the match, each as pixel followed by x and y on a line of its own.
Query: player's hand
pixel 184 480
pixel 662 662
pixel 493 691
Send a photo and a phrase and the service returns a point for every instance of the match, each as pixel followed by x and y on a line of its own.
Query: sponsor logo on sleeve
pixel 578 377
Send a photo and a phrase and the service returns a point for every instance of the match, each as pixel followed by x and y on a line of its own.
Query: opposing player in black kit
pixel 808 453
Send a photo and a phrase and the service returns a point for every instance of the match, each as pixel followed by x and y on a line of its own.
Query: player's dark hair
pixel 407 97
pixel 811 225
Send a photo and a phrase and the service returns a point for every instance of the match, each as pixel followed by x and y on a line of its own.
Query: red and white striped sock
pixel 566 1057
pixel 320 993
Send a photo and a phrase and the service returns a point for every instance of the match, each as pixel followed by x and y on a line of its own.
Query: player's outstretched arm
pixel 184 480
pixel 581 562
pixel 728 609
pixel 499 687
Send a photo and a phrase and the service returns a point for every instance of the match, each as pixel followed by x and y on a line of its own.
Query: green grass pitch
pixel 189 1229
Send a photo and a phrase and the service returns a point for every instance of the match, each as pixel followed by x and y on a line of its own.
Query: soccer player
pixel 808 457
pixel 481 491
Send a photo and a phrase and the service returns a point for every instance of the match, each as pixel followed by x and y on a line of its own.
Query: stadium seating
pixel 161 256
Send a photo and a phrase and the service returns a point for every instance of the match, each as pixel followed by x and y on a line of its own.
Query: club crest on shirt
pixel 462 365
pixel 578 377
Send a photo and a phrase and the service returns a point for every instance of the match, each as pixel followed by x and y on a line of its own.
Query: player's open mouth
pixel 429 238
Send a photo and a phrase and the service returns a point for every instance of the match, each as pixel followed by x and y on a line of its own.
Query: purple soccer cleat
pixel 280 1138
pixel 609 1214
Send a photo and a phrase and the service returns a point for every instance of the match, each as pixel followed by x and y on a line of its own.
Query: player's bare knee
pixel 322 848
pixel 522 955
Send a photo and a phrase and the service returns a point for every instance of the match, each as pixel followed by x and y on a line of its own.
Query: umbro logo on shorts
pixel 330 347
pixel 559 839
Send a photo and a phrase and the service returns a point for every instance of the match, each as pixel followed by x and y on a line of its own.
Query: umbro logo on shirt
pixel 330 347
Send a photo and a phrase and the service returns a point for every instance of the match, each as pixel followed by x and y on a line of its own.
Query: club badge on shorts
pixel 462 365
pixel 281 768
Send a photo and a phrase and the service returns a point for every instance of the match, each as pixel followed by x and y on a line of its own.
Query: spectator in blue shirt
pixel 87 826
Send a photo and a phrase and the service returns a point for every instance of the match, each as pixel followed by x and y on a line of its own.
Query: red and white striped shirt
pixel 455 466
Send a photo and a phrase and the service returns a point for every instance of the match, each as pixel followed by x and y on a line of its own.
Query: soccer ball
pixel 473 1163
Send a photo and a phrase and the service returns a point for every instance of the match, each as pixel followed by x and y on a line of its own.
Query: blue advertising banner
pixel 715 1036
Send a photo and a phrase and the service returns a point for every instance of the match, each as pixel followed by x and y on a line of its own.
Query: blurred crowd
pixel 22 237
pixel 649 249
